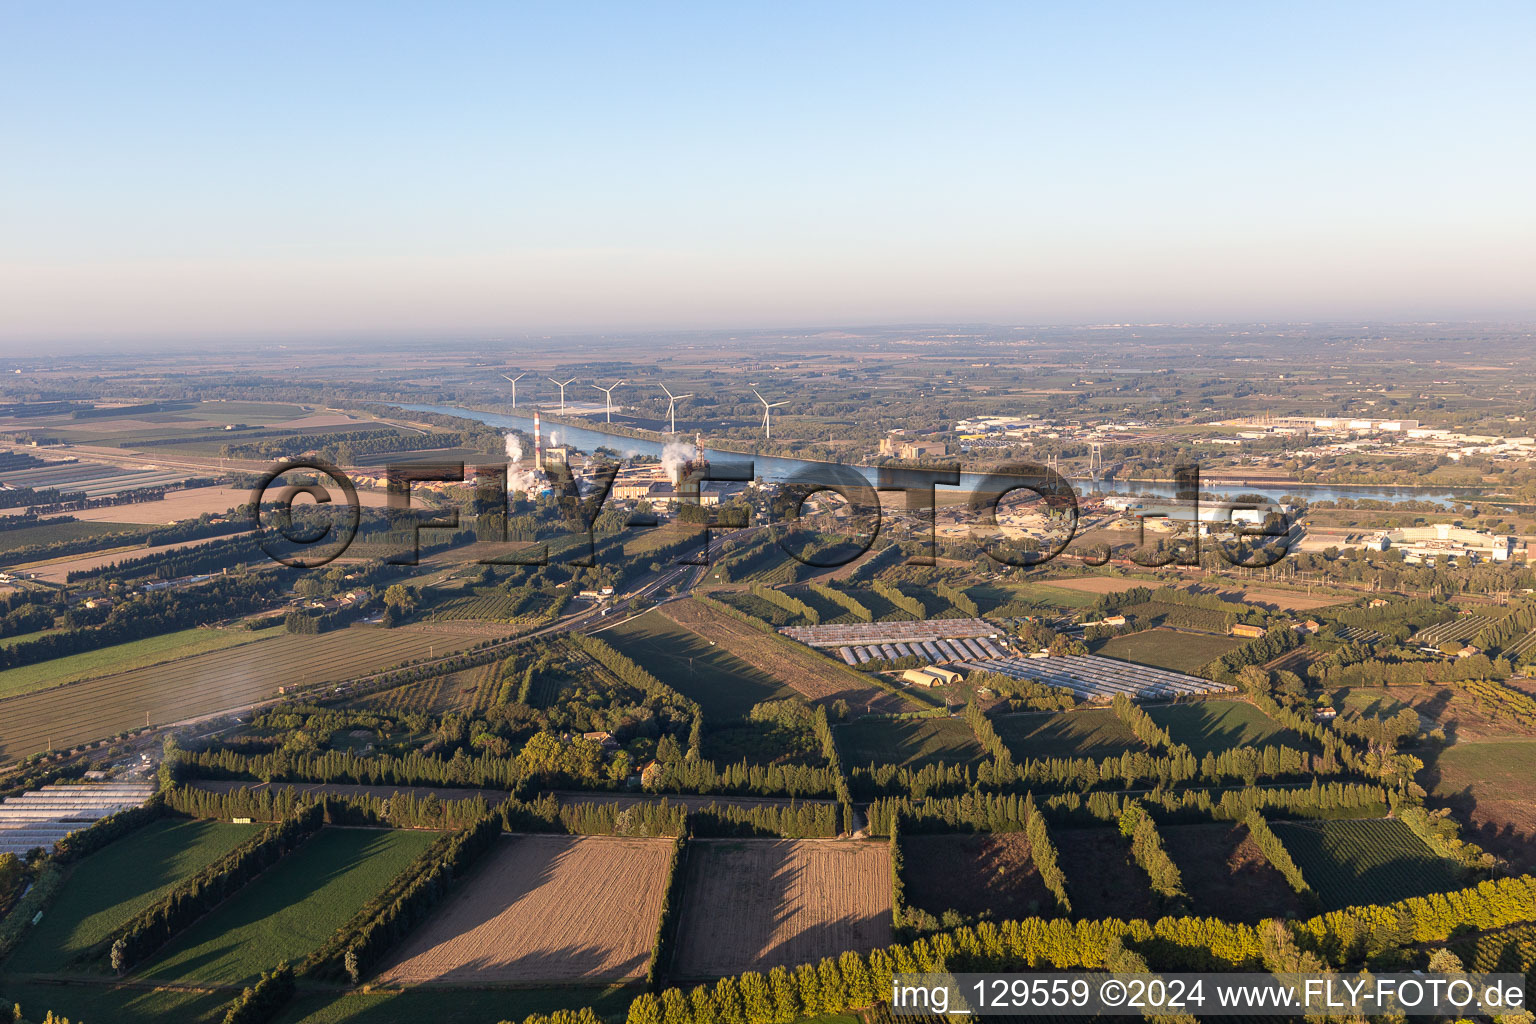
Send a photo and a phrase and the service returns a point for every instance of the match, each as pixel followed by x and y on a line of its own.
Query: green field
pixel 461 1006
pixel 53 532
pixel 113 884
pixel 1492 783
pixel 725 686
pixel 289 910
pixel 1096 733
pixel 113 1004
pixel 1216 725
pixel 1354 861
pixel 122 657
pixel 1026 598
pixel 911 742
pixel 1167 648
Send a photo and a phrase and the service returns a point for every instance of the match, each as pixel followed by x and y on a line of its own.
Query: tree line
pixel 189 900
pixel 409 898
pixel 1006 812
pixel 853 980
pixel 149 615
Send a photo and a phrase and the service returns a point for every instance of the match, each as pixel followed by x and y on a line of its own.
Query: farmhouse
pixel 1244 630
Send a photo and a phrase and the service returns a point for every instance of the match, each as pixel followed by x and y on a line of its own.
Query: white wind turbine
pixel 514 381
pixel 767 426
pixel 562 390
pixel 672 401
pixel 609 392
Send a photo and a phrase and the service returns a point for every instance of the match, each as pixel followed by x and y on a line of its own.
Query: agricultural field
pixel 792 902
pixel 58 570
pixel 910 742
pixel 111 885
pixel 188 503
pixel 1174 650
pixel 204 684
pixel 153 650
pixel 290 909
pixel 1020 599
pixel 116 1004
pixel 1216 725
pixel 437 695
pixel 544 908
pixel 725 686
pixel 1226 875
pixel 52 532
pixel 1352 861
pixel 1094 732
pixel 975 874
pixel 1102 878
pixel 1492 785
pixel 1100 585
pixel 1453 707
pixel 466 1006
pixel 809 674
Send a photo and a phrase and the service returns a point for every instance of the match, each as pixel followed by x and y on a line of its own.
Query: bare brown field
pixel 189 504
pixel 753 904
pixel 58 571
pixel 1226 875
pixel 1288 600
pixel 544 908
pixel 204 684
pixel 1102 878
pixel 810 674
pixel 975 874
pixel 1101 584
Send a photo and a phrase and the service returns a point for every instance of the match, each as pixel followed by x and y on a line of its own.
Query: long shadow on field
pixel 816 895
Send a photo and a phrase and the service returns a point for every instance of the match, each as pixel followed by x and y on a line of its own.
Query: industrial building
pixel 1426 544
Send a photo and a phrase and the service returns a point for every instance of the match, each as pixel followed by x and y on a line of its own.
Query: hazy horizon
pixel 180 173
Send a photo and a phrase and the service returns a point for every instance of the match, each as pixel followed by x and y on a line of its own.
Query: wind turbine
pixel 767 427
pixel 609 392
pixel 672 401
pixel 514 381
pixel 562 390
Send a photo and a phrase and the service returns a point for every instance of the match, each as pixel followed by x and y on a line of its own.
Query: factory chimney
pixel 538 444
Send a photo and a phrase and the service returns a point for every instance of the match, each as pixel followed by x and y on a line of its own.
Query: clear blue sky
pixel 233 170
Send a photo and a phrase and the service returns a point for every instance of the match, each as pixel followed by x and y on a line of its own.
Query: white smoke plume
pixel 674 455
pixel 521 478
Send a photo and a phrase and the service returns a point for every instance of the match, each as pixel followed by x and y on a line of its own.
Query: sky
pixel 215 171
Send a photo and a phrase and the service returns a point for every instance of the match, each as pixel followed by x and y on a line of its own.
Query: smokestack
pixel 538 444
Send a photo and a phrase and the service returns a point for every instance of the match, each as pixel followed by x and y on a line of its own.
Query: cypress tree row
pixel 846 600
pixel 155 925
pixel 260 1002
pixel 1147 848
pixel 987 736
pixel 666 924
pixel 853 980
pixel 1043 852
pixel 957 597
pixel 1275 852
pixel 1143 727
pixel 788 602
pixel 911 605
pixel 408 899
